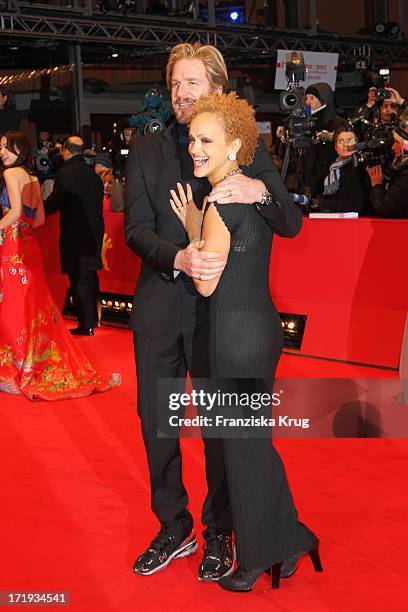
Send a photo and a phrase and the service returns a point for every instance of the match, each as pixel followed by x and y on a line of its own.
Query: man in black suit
pixel 169 317
pixel 78 195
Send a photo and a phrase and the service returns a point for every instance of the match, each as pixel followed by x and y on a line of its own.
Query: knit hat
pixel 104 159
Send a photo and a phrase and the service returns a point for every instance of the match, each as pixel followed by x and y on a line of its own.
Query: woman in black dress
pixel 245 340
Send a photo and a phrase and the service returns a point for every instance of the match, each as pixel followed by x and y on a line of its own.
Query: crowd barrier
pixel 347 276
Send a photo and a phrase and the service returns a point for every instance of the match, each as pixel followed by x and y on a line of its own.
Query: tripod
pixel 297 154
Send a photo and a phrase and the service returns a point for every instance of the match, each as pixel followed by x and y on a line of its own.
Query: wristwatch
pixel 267 200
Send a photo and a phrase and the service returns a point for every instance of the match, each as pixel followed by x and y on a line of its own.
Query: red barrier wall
pixel 349 276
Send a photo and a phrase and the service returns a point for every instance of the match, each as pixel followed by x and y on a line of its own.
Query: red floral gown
pixel 38 356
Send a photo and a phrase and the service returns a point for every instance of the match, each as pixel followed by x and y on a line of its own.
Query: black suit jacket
pixel 78 195
pixel 153 231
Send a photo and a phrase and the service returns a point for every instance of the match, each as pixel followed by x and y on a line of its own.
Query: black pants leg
pixel 216 513
pixel 162 358
pixel 85 287
pixel 170 356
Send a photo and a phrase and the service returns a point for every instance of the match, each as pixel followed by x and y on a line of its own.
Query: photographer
pixel 385 109
pixel 393 201
pixel 321 155
pixel 344 185
pixel 119 147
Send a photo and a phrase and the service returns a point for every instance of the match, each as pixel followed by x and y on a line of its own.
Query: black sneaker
pixel 162 550
pixel 218 559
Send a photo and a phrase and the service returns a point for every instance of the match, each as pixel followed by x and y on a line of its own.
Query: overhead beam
pixel 252 41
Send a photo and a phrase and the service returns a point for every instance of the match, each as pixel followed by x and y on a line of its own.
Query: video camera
pixel 377 150
pixel 292 101
pixel 48 160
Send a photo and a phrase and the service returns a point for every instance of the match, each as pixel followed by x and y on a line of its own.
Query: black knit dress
pixel 246 343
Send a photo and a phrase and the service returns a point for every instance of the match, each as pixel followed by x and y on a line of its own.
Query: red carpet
pixel 75 506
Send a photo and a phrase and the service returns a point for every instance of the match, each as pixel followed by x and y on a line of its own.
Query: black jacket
pixel 155 234
pixel 320 156
pixel 351 194
pixel 78 195
pixel 10 119
pixel 392 202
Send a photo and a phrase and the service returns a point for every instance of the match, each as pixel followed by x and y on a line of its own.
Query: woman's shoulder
pixel 233 215
pixel 18 171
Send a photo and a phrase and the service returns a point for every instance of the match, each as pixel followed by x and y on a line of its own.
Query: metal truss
pixel 250 42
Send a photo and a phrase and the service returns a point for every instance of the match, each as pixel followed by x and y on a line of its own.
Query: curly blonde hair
pixel 238 118
pixel 212 59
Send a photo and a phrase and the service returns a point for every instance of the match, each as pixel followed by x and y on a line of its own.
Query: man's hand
pixel 184 206
pixel 238 188
pixel 203 265
pixel 376 175
pixel 371 100
pixel 396 97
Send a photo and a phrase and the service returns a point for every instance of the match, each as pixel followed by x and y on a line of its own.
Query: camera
pixel 43 161
pixel 383 81
pixel 376 151
pixel 300 122
pixel 48 161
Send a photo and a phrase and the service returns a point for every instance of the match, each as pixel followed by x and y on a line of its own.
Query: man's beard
pixel 184 117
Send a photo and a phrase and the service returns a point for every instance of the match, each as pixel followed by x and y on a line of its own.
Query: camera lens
pixel 291 99
pixel 382 94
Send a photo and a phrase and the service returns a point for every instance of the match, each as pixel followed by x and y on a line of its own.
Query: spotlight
pixel 379 28
pixel 115 55
pixel 293 329
pixel 234 15
pixel 116 307
pixel 392 29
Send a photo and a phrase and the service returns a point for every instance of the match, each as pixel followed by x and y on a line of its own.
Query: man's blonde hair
pixel 210 56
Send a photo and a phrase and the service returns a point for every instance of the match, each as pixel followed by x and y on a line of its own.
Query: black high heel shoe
pixel 290 565
pixel 244 580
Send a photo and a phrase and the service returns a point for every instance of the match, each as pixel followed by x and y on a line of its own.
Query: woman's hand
pixel 184 207
pixel 376 175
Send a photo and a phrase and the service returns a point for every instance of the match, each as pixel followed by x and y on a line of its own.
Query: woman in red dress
pixel 38 357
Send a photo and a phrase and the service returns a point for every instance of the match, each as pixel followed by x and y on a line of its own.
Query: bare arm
pixel 194 260
pixel 216 239
pixel 12 181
